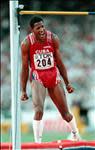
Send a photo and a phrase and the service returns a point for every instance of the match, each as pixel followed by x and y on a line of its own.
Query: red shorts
pixel 49 78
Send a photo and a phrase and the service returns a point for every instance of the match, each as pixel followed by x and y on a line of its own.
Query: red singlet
pixel 42 63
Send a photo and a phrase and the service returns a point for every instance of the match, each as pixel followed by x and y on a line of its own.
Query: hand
pixel 24 96
pixel 69 88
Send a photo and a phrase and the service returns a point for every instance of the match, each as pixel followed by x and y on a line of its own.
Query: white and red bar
pixel 62 144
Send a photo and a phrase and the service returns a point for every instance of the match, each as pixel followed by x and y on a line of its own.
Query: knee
pixel 68 117
pixel 38 115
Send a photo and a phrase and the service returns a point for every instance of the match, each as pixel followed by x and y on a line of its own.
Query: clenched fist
pixel 69 88
pixel 24 96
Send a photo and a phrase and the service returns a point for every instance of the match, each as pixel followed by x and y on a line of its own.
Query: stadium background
pixel 77 36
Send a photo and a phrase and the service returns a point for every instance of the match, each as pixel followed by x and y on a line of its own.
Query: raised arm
pixel 24 68
pixel 60 64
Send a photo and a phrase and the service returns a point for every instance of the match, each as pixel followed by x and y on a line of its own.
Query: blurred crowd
pixel 77 46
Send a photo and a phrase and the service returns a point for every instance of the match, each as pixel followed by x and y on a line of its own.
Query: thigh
pixel 58 96
pixel 38 94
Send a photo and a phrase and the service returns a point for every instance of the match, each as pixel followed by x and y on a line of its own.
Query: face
pixel 39 31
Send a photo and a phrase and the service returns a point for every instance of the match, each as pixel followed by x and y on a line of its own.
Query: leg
pixel 58 96
pixel 38 98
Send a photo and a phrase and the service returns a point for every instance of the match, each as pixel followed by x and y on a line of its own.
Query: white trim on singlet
pixel 49 37
pixel 31 37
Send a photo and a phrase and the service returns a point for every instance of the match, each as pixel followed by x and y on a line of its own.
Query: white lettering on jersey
pixel 41 51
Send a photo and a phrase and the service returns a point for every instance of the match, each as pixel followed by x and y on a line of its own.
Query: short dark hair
pixel 34 20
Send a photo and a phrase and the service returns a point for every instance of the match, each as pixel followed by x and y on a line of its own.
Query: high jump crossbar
pixel 26 12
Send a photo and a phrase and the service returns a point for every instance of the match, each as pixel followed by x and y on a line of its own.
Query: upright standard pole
pixel 15 88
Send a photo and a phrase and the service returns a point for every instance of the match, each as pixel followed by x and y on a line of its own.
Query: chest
pixel 42 55
pixel 41 48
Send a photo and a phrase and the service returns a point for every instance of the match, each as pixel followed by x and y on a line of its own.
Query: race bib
pixel 43 61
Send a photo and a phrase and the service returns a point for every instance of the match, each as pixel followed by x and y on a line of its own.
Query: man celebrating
pixel 40 51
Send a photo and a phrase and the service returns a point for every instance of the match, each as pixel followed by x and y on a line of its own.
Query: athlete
pixel 40 52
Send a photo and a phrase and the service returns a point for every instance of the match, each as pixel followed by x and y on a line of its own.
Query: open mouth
pixel 42 35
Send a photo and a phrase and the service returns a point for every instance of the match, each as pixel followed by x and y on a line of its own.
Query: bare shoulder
pixel 55 36
pixel 55 40
pixel 25 45
pixel 25 41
